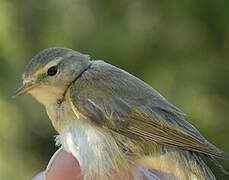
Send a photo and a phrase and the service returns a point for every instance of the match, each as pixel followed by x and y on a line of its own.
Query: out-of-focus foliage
pixel 181 48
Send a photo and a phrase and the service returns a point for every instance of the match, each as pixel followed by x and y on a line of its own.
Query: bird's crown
pixel 47 55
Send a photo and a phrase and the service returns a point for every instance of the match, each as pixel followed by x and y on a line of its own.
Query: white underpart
pixel 94 151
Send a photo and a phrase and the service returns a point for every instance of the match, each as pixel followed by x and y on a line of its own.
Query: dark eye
pixel 52 70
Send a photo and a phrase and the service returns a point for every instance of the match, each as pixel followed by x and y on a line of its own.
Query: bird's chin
pixel 46 95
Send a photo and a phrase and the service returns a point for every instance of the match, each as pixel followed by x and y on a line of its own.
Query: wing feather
pixel 121 102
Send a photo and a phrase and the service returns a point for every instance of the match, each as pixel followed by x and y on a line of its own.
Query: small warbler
pixel 113 122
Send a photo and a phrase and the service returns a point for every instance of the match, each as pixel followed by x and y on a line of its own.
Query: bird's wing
pixel 112 98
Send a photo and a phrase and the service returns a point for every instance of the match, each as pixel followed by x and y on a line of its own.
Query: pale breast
pixel 61 115
pixel 98 154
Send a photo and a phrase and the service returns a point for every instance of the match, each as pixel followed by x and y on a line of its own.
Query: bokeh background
pixel 181 48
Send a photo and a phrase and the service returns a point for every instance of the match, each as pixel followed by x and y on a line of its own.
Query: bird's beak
pixel 24 89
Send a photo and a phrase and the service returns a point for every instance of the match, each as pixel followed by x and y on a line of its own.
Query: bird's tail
pixel 216 152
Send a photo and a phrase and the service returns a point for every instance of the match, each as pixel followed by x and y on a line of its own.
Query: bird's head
pixel 51 71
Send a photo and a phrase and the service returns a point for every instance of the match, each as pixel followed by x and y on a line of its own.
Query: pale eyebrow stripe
pixel 50 64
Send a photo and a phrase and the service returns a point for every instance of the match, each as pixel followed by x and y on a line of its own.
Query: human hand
pixel 62 166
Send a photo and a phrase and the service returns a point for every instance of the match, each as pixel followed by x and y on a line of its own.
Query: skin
pixel 64 166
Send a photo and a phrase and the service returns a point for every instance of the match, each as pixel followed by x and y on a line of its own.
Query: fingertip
pixel 64 167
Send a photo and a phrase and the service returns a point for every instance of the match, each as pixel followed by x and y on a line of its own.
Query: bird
pixel 112 121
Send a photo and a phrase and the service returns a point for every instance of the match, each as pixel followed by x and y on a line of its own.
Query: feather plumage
pixel 128 106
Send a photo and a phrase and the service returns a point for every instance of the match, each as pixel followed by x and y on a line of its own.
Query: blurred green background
pixel 181 48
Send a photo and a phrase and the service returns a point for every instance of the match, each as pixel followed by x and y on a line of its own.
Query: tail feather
pixel 212 150
pixel 222 154
pixel 217 164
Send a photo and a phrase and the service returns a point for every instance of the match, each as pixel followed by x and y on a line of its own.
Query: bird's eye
pixel 52 71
